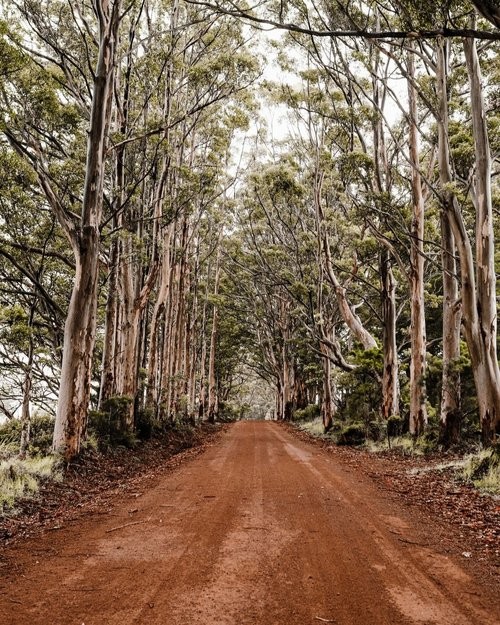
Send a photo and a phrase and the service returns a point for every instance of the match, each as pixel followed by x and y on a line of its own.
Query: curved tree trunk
pixel 482 328
pixel 350 318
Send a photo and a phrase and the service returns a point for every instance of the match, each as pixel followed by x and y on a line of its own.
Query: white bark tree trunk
pixel 418 410
pixel 390 374
pixel 212 381
pixel 482 327
pixel 450 415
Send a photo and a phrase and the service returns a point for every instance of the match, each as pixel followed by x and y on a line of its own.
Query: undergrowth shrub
pixel 314 427
pixel 360 397
pixel 146 424
pixel 108 424
pixel 309 413
pixel 394 426
pixel 229 412
pixel 352 434
pixel 41 432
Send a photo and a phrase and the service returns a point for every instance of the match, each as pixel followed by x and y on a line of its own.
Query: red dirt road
pixel 262 529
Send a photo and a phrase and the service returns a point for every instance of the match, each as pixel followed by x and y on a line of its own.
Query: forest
pixel 212 211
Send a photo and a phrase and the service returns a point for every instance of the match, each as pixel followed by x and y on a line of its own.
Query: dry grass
pixel 20 478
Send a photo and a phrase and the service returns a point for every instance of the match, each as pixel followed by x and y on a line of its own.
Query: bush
pixel 309 413
pixel 394 426
pixel 352 434
pixel 360 389
pixel 146 424
pixel 228 412
pixel 42 430
pixel 108 424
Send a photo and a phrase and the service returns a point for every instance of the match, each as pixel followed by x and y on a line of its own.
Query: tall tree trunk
pixel 390 377
pixel 382 184
pixel 212 382
pixel 327 404
pixel 108 367
pixel 80 327
pixel 27 386
pixel 203 365
pixel 153 375
pixel 450 416
pixel 418 410
pixel 482 328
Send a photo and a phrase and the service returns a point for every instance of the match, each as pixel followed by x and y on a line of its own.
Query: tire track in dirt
pixel 262 529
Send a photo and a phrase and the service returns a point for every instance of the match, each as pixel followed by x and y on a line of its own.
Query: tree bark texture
pixel 390 377
pixel 450 415
pixel 418 410
pixel 482 328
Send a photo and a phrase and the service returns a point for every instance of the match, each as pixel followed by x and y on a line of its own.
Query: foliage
pixel 315 427
pixel 309 413
pixel 352 434
pixel 108 423
pixel 360 389
pixel 394 426
pixel 41 430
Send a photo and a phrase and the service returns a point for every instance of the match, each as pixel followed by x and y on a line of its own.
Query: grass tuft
pixel 21 478
pixel 314 427
pixel 404 445
pixel 483 470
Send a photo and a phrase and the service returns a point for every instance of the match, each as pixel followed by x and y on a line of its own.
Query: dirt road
pixel 262 529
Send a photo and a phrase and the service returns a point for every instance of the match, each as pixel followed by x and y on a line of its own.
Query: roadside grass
pixel 483 470
pixel 405 445
pixel 314 427
pixel 21 478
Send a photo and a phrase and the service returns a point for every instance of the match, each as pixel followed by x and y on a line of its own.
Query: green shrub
pixel 228 412
pixel 394 426
pixel 41 432
pixel 352 434
pixel 314 427
pixel 309 413
pixel 146 424
pixel 361 390
pixel 108 424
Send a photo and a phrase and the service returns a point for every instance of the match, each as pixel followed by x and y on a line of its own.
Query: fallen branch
pixel 324 620
pixel 120 527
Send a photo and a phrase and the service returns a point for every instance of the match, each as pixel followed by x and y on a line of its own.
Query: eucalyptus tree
pixel 41 123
